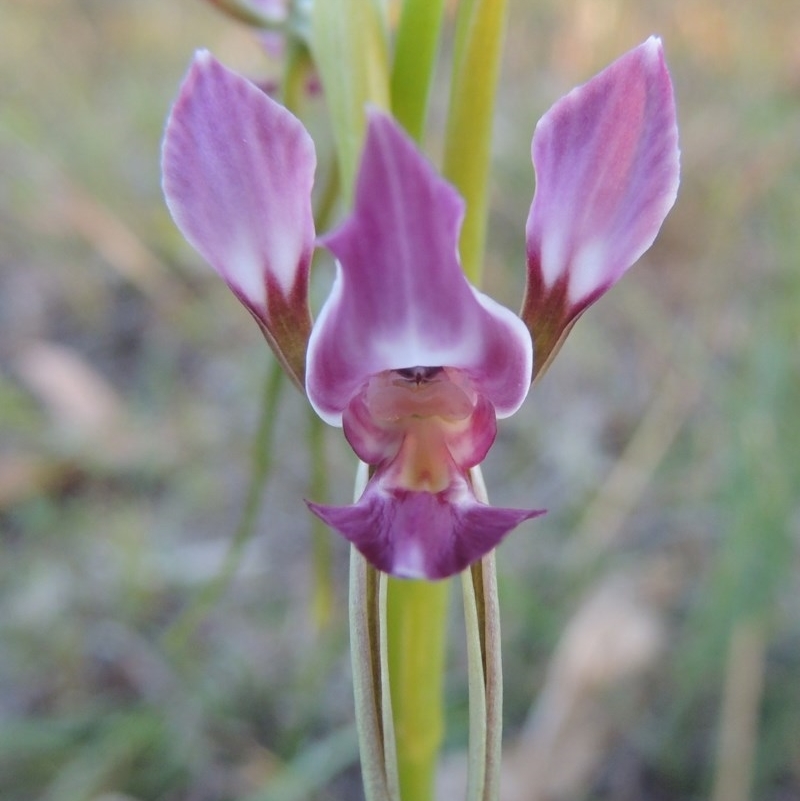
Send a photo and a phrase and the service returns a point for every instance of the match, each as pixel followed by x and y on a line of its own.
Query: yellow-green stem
pixel 479 44
pixel 322 601
pixel 415 46
pixel 417 611
pixel 179 634
pixel 416 617
pixel 349 43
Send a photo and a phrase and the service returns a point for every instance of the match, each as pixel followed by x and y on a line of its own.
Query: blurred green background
pixel 651 619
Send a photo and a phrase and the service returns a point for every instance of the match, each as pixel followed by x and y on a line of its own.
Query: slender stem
pixel 476 759
pixel 368 654
pixel 416 44
pixel 182 629
pixel 493 673
pixel 416 611
pixel 321 542
pixel 298 67
pixel 365 658
pixel 479 44
pixel 250 13
pixel 416 617
pixel 484 663
pixel 391 764
pixel 349 43
pixel 741 699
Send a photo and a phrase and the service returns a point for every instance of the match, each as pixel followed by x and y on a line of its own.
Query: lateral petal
pixel 400 298
pixel 237 175
pixel 607 171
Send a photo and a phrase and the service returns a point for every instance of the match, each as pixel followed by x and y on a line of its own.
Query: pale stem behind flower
pixel 479 46
pixel 350 46
pixel 368 656
pixel 415 47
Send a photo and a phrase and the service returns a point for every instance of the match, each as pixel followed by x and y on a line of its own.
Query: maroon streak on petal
pixel 400 299
pixel 421 535
pixel 237 175
pixel 607 170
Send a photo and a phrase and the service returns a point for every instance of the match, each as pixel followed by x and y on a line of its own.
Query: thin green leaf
pixel 321 542
pixel 416 45
pixel 180 632
pixel 251 14
pixel 350 47
pixel 311 770
pixel 121 740
pixel 479 44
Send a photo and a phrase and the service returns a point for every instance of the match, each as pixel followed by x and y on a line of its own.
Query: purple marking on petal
pixel 400 298
pixel 237 175
pixel 421 534
pixel 432 423
pixel 607 171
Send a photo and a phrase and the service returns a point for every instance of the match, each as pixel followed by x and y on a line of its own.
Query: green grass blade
pixel 350 48
pixel 179 634
pixel 416 46
pixel 479 43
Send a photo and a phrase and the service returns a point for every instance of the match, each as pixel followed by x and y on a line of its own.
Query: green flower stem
pixel 321 542
pixel 416 616
pixel 351 51
pixel 350 46
pixel 177 637
pixel 298 68
pixel 416 45
pixel 467 157
pixel 250 14
pixel 416 611
pixel 476 66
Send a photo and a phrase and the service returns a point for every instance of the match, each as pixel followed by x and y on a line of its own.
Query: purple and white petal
pixel 422 535
pixel 237 174
pixel 607 170
pixel 400 298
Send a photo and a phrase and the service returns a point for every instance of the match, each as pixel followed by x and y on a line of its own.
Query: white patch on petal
pixel 652 48
pixel 245 271
pixel 553 255
pixel 589 271
pixel 519 338
pixel 284 256
pixel 411 562
pixel 412 348
pixel 315 386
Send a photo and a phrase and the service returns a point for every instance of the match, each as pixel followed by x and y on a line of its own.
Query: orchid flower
pixel 414 363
